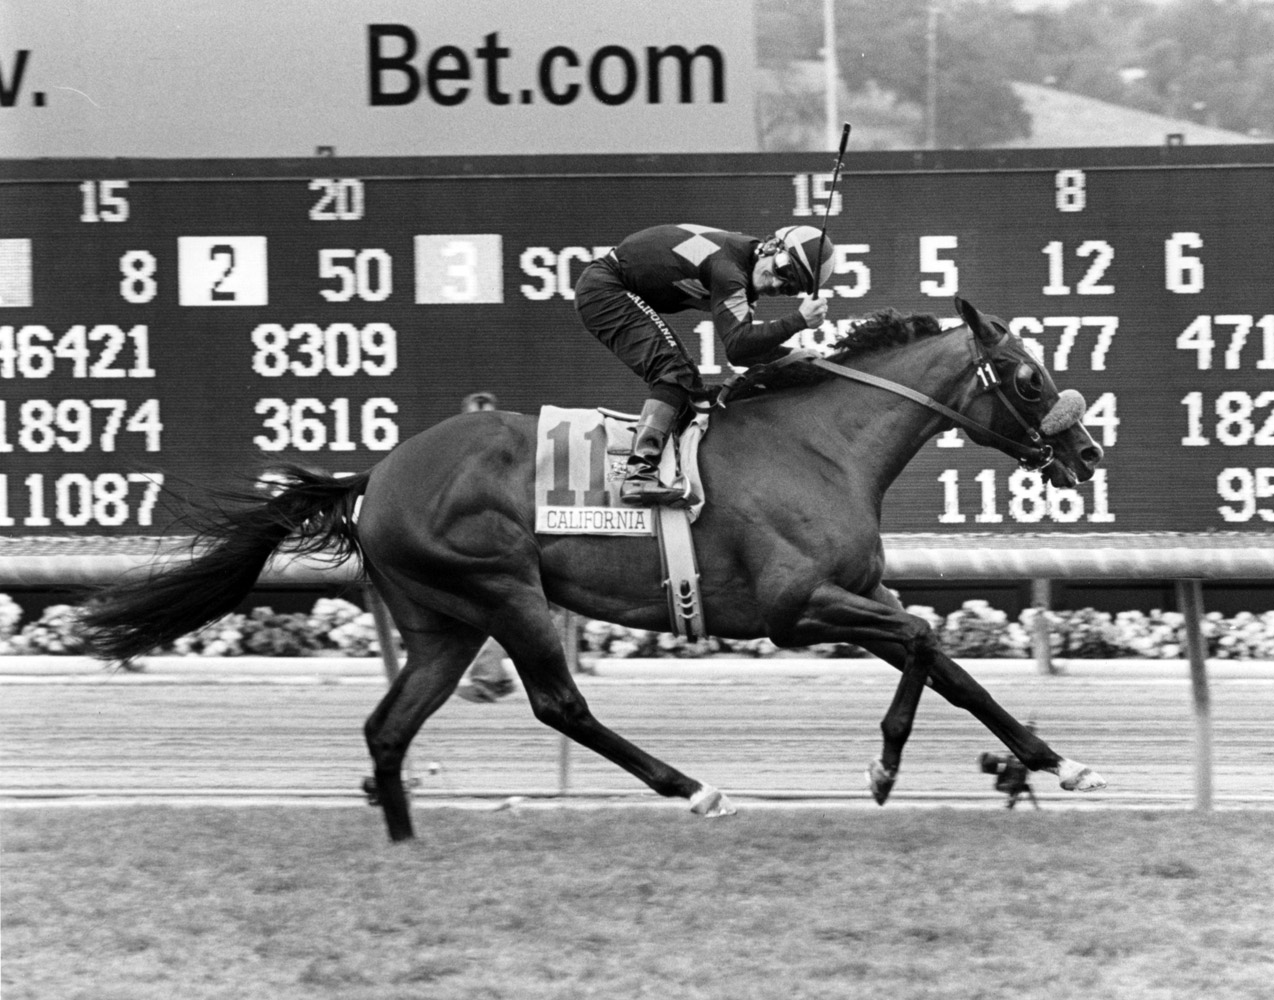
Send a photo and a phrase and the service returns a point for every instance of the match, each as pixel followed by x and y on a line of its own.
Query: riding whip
pixel 840 156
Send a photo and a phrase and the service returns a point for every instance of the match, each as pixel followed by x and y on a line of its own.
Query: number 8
pixel 1071 193
pixel 138 270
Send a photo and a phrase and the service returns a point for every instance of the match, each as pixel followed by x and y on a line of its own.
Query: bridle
pixel 1034 457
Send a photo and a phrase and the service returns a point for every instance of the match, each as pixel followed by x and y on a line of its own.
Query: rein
pixel 1034 456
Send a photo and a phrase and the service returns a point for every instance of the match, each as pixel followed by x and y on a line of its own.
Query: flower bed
pixel 336 627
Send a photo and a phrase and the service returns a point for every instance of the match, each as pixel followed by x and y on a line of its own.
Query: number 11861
pixel 1030 500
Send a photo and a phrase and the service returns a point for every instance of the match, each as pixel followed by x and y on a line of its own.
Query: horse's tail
pixel 234 541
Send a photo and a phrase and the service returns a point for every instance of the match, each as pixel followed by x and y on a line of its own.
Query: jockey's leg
pixel 658 419
pixel 631 329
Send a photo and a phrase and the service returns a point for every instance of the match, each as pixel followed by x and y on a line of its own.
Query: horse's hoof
pixel 1075 777
pixel 880 780
pixel 708 801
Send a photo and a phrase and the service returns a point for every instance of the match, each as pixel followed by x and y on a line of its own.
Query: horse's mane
pixel 885 328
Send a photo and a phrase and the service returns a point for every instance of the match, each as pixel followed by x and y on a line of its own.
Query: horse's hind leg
pixel 439 649
pixel 533 643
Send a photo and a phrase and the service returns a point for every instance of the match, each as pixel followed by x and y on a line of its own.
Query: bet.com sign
pixel 613 74
pixel 149 78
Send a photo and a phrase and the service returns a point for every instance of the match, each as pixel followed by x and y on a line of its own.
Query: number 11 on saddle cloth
pixel 580 461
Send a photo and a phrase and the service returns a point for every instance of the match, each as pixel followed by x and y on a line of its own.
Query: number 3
pixel 464 287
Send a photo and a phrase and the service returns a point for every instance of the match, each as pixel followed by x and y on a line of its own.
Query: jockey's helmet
pixel 797 252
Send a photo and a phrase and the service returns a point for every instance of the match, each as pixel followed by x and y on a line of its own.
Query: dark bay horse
pixel 446 534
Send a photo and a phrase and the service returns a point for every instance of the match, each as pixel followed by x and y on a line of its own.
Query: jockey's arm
pixel 747 341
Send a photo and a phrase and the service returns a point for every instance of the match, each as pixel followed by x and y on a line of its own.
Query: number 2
pixel 222 252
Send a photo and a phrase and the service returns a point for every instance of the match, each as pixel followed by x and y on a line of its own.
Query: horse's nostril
pixel 1092 454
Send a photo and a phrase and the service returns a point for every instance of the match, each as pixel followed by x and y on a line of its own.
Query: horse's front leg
pixel 879 622
pixel 881 626
pixel 958 687
pixel 895 727
pixel 955 684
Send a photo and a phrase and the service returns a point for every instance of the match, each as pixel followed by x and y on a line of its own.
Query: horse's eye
pixel 1029 384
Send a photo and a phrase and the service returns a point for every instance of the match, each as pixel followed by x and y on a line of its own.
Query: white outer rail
pixel 907 557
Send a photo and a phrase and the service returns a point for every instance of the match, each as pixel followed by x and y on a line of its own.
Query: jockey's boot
pixel 641 485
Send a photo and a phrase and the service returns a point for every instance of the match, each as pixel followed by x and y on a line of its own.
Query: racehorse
pixel 795 470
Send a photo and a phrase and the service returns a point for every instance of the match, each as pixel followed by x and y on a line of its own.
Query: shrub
pixel 10 615
pixel 55 632
pixel 336 627
pixel 221 638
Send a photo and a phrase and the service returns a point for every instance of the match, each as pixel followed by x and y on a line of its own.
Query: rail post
pixel 1042 601
pixel 385 632
pixel 387 636
pixel 570 645
pixel 1190 604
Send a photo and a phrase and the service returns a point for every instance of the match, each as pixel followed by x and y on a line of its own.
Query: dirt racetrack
pixel 760 730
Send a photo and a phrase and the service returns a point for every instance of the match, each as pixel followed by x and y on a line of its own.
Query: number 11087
pixel 77 500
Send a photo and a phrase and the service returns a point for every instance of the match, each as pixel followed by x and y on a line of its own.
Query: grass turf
pixel 144 903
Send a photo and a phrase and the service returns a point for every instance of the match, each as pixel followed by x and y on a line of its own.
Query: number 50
pixel 368 274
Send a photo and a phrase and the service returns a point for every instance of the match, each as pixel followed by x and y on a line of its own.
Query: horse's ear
pixel 974 321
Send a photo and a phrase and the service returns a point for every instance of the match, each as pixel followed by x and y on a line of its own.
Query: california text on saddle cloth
pixel 669 269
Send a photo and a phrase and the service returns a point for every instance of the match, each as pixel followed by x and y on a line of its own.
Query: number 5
pixel 931 263
pixel 330 266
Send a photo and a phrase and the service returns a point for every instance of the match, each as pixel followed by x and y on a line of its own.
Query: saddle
pixel 580 462
pixel 582 454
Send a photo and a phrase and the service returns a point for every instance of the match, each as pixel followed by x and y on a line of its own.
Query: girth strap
pixel 681 573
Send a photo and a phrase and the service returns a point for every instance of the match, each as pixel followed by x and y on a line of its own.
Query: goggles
pixel 792 279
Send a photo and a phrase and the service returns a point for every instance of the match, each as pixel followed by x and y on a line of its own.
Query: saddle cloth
pixel 581 457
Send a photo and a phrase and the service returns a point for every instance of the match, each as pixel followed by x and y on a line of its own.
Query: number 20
pixel 341 200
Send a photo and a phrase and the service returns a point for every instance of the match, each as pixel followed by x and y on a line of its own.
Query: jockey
pixel 671 268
